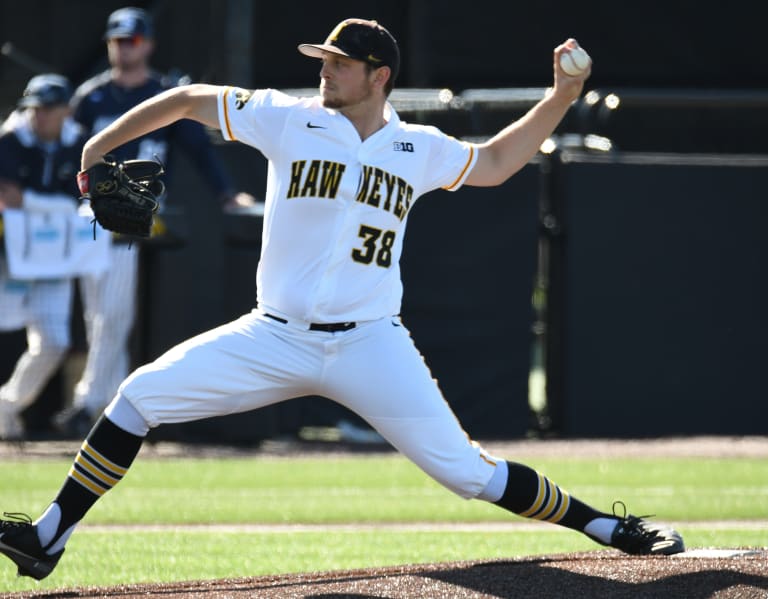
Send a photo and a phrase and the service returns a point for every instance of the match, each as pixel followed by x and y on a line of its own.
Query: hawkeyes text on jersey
pixel 378 188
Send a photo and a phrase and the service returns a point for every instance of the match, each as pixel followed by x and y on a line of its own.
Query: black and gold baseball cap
pixel 360 39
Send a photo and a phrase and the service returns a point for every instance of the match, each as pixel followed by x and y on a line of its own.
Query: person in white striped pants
pixel 110 300
pixel 40 147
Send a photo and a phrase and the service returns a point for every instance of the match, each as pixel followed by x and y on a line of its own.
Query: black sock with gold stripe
pixel 533 495
pixel 101 463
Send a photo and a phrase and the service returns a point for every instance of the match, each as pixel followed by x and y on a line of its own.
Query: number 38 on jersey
pixel 377 246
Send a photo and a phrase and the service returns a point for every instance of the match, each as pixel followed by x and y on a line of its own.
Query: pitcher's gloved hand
pixel 123 195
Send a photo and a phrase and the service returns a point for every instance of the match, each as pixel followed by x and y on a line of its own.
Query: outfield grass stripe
pixel 488 527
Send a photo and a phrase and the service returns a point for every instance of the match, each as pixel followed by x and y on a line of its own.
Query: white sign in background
pixel 51 245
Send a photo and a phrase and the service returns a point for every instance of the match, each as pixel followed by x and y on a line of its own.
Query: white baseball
pixel 575 61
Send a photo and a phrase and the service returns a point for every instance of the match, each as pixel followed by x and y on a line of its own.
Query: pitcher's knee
pixel 125 415
pixel 464 488
pixel 468 478
pixel 135 382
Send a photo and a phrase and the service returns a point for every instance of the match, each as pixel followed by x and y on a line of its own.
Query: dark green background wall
pixel 671 44
pixel 691 80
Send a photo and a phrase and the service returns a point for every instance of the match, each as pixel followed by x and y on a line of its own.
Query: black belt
pixel 328 327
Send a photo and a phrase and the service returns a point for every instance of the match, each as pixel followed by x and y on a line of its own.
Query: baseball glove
pixel 123 195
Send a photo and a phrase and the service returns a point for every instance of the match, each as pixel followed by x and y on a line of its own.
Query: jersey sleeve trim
pixel 224 115
pixel 460 178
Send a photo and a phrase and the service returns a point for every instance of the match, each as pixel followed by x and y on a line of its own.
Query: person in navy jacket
pixel 40 147
pixel 110 300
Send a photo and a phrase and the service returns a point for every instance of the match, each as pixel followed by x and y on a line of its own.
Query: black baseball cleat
pixel 637 536
pixel 19 541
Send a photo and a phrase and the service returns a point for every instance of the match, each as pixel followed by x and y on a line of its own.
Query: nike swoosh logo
pixel 311 126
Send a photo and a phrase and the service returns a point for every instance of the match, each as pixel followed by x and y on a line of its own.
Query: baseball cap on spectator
pixel 49 89
pixel 362 40
pixel 128 22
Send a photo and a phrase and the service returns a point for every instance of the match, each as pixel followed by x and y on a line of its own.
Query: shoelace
pixel 16 519
pixel 634 525
pixel 626 516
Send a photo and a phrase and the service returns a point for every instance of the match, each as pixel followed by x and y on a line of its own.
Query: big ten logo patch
pixel 403 146
pixel 241 98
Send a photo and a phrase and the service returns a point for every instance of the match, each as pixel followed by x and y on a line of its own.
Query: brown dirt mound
pixel 608 574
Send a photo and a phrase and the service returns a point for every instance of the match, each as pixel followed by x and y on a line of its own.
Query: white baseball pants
pixel 374 370
pixel 109 303
pixel 46 307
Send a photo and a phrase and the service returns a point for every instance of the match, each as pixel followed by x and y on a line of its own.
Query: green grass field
pixel 375 492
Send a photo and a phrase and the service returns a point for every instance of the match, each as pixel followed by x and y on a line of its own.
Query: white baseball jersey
pixel 336 206
pixel 335 214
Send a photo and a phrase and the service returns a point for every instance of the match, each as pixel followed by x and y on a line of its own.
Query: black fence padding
pixel 468 266
pixel 664 323
pixel 701 121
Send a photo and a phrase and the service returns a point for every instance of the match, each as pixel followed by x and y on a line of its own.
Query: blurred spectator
pixel 40 147
pixel 110 300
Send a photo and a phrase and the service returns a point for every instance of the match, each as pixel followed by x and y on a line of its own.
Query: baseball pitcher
pixel 344 173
